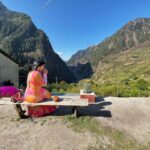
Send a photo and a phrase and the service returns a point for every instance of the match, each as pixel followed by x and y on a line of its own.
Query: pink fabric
pixel 18 97
pixel 7 91
pixel 34 92
pixel 45 77
pixel 39 111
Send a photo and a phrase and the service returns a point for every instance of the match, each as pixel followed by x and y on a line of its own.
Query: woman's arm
pixel 45 75
pixel 40 79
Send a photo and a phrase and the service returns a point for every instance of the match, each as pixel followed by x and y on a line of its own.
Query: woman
pixel 35 92
pixel 35 82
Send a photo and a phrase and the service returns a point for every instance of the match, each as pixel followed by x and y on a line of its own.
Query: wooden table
pixel 73 101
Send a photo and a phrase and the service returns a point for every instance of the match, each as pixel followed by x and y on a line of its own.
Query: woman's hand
pixel 45 71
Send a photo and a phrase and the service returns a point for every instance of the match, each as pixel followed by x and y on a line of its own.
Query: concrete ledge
pixel 91 97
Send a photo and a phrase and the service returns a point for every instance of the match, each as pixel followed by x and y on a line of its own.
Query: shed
pixel 9 69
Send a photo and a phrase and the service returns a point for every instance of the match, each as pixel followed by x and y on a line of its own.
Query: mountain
pixel 81 71
pixel 131 35
pixel 2 7
pixel 125 66
pixel 82 57
pixel 20 38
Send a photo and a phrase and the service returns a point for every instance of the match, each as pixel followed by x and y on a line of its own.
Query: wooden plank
pixel 63 102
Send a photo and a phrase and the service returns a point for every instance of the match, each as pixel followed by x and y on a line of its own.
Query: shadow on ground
pixel 95 109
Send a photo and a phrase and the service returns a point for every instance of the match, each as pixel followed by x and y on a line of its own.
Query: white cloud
pixel 60 53
pixel 46 4
pixel 43 6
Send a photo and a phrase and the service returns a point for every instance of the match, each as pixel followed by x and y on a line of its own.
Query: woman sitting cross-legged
pixel 35 91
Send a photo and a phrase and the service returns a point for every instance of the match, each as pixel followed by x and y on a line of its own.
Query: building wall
pixel 9 70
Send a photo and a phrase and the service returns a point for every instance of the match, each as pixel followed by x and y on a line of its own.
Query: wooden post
pixel 19 111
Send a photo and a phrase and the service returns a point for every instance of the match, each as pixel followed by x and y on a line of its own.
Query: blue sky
pixel 72 25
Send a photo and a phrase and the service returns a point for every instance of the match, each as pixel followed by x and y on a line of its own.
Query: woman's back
pixel 35 79
pixel 34 91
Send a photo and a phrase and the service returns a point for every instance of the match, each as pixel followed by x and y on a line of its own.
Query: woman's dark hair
pixel 37 64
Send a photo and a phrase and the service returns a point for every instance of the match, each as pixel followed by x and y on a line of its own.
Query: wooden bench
pixel 73 101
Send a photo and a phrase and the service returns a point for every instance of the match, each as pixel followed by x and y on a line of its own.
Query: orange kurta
pixel 34 92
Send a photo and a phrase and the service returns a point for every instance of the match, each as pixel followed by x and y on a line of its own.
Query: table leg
pixel 19 111
pixel 75 111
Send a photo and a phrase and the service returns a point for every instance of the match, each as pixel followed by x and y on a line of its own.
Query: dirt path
pixel 130 115
pixel 47 133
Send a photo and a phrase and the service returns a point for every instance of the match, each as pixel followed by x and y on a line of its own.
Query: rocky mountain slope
pixel 130 65
pixel 131 35
pixel 20 38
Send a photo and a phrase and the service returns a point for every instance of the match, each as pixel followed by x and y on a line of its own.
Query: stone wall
pixel 9 70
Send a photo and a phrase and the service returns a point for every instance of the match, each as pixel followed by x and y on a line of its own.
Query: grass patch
pixel 117 140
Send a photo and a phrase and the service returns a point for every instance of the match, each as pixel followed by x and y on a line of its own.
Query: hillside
pixel 20 38
pixel 131 35
pixel 128 65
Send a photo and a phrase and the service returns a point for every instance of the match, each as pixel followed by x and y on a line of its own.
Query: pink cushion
pixel 8 91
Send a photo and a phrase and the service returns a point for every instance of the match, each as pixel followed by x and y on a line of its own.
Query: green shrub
pixel 54 91
pixel 128 87
pixel 142 84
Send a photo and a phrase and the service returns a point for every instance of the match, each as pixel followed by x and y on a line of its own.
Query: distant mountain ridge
pixel 81 56
pixel 2 7
pixel 20 38
pixel 131 35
